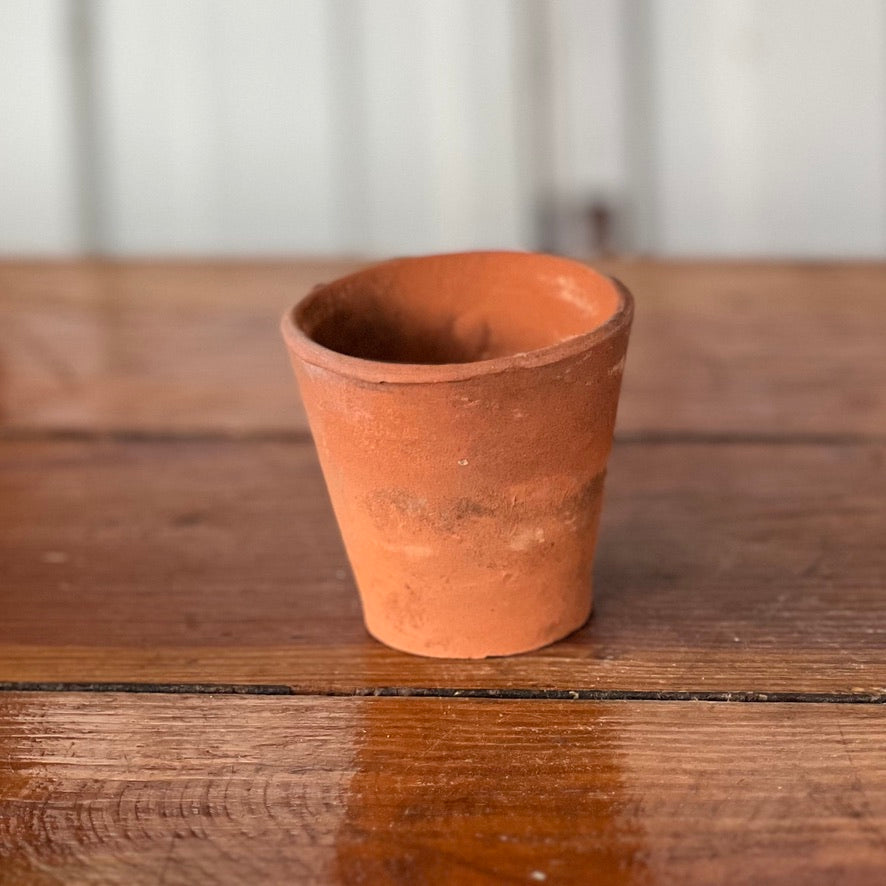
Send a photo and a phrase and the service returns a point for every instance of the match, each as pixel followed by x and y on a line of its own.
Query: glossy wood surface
pixel 147 789
pixel 166 543
pixel 181 346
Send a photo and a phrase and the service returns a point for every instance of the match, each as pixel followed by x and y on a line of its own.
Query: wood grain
pixel 754 349
pixel 157 789
pixel 177 346
pixel 720 568
pixel 163 521
pixel 739 349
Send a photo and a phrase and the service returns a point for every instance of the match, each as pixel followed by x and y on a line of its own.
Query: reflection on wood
pixel 146 789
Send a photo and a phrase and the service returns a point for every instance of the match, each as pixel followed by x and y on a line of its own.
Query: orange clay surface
pixel 463 408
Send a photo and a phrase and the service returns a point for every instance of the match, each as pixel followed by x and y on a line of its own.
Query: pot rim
pixel 380 372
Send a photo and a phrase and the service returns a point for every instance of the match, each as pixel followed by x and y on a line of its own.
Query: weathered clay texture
pixel 463 408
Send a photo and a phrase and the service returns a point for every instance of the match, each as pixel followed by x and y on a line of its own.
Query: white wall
pixel 39 208
pixel 215 125
pixel 768 129
pixel 314 127
pixel 737 127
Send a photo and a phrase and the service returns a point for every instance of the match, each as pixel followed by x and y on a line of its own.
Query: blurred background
pixel 377 127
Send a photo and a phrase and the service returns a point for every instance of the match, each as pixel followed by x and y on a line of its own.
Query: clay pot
pixel 463 407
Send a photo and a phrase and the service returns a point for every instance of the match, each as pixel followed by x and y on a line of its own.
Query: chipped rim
pixel 380 372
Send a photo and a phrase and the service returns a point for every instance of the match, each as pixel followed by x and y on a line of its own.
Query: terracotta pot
pixel 463 407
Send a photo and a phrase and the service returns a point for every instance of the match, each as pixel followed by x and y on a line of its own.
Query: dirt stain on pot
pixel 387 507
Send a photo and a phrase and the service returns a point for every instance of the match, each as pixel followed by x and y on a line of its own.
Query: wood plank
pixel 717 348
pixel 749 349
pixel 721 568
pixel 174 346
pixel 142 789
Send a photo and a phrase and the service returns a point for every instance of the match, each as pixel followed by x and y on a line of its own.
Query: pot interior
pixel 457 308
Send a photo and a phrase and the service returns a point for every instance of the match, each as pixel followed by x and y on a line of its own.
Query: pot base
pixel 497 646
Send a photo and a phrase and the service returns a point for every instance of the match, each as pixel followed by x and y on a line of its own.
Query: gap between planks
pixel 596 695
pixel 627 438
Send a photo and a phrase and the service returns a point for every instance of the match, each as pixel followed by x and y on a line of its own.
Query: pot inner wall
pixel 457 308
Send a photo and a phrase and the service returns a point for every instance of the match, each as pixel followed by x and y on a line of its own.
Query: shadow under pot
pixel 463 408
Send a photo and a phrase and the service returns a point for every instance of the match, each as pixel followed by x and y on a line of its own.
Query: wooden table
pixel 189 695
